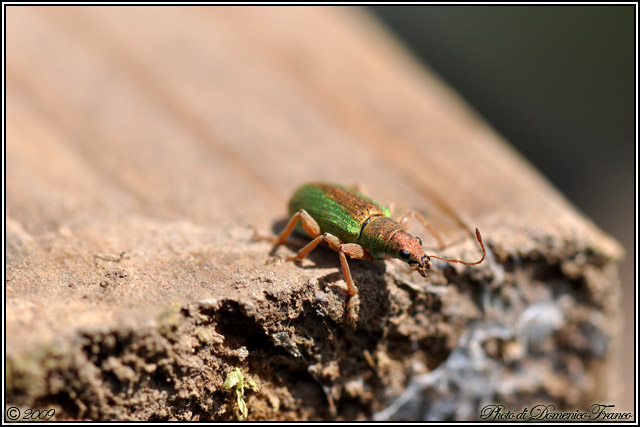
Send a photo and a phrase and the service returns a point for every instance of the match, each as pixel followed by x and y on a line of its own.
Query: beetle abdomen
pixel 337 209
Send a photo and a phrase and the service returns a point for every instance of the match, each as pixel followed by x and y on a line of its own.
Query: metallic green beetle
pixel 352 224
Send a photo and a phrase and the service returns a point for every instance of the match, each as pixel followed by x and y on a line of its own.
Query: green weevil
pixel 352 224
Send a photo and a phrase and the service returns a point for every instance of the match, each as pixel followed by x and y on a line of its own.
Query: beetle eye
pixel 419 240
pixel 404 254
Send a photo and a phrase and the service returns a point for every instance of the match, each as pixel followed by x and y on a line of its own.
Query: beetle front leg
pixel 405 220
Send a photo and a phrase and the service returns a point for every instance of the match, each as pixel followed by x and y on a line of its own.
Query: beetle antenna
pixel 479 237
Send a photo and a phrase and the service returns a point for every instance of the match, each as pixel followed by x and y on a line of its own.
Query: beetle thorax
pixel 376 234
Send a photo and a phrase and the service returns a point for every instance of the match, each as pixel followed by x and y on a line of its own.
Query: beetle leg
pixel 405 220
pixel 343 250
pixel 302 253
pixel 354 251
pixel 351 290
pixel 308 224
pixel 334 243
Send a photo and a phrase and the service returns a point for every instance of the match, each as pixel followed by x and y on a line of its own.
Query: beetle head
pixel 407 248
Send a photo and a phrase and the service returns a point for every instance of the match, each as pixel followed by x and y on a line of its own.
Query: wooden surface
pixel 165 132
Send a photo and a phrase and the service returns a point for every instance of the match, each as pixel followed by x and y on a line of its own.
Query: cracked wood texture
pixel 142 144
